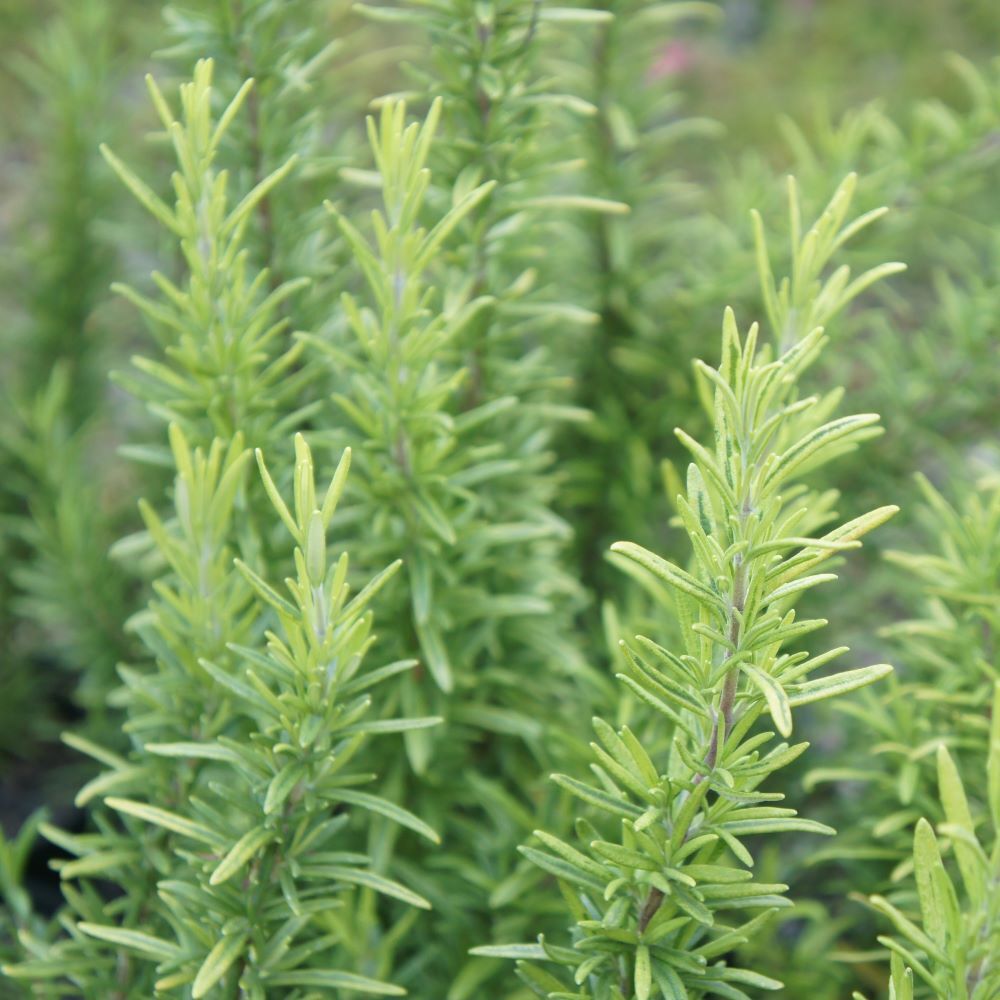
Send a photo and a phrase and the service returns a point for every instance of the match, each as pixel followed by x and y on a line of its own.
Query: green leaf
pixel 956 809
pixel 902 980
pixel 931 877
pixel 774 695
pixel 218 962
pixel 837 684
pixel 99 753
pixel 624 857
pixel 510 951
pixel 669 983
pixel 670 574
pixel 381 726
pixel 384 807
pixel 797 586
pixel 699 499
pixel 577 202
pixel 99 863
pixel 165 819
pixel 368 879
pixel 693 906
pixel 562 869
pixel 282 784
pixel 143 192
pixel 120 780
pixel 275 497
pixel 603 800
pixel 146 944
pixel 199 751
pixel 266 591
pixel 777 825
pixel 573 856
pixel 542 982
pixel 643 973
pixel 446 226
pixel 334 980
pixel 240 853
pixel 435 655
pixel 749 978
pixel 434 517
pixel 575 15
pixel 260 191
pixel 668 13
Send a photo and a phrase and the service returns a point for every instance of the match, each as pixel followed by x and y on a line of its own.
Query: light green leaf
pixel 445 227
pixel 203 751
pixel 669 573
pixel 777 701
pixel 745 827
pixel 392 725
pixel 266 591
pixel 281 785
pixel 143 192
pixel 563 869
pixel 749 978
pixel 218 962
pixel 956 809
pixel 146 944
pixel 384 807
pixel 368 879
pixel 578 202
pixel 109 781
pixel 240 853
pixel 575 15
pixel 165 819
pixel 810 450
pixel 99 863
pixel 435 655
pixel 643 973
pixel 603 800
pixel 930 875
pixel 510 951
pixel 837 684
pixel 334 980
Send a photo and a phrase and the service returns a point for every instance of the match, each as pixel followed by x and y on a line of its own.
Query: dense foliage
pixel 368 627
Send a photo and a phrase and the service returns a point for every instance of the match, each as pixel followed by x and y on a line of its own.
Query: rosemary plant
pixel 436 475
pixel 65 584
pixel 631 267
pixel 951 664
pixel 452 399
pixel 485 305
pixel 931 161
pixel 653 892
pixel 241 755
pixel 300 104
pixel 257 794
pixel 61 603
pixel 220 332
pixel 954 943
pixel 945 301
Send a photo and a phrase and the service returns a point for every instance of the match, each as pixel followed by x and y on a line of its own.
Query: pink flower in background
pixel 674 58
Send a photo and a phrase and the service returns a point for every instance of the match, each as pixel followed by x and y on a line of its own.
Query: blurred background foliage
pixel 700 109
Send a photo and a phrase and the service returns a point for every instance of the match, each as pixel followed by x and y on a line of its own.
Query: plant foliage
pixel 426 279
pixel 655 891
